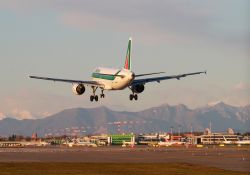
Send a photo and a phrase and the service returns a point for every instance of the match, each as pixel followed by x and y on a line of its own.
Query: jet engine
pixel 139 88
pixel 78 89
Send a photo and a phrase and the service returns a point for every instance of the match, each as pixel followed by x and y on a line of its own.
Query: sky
pixel 69 38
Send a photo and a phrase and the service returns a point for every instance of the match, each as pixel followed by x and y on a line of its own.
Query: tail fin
pixel 128 56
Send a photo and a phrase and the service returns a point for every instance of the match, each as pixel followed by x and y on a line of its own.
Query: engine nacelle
pixel 78 89
pixel 139 88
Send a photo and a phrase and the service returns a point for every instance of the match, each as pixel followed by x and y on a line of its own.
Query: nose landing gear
pixel 102 95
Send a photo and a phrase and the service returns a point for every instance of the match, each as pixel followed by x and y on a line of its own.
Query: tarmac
pixel 228 158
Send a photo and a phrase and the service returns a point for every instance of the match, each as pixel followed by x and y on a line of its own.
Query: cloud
pixel 242 86
pixel 39 104
pixel 144 32
pixel 213 103
pixel 162 19
pixel 21 114
pixel 238 95
pixel 159 21
pixel 45 114
pixel 22 7
pixel 2 116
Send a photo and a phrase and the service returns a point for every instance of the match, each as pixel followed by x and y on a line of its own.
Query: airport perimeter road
pixel 236 159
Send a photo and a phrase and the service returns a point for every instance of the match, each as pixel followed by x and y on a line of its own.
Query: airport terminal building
pixel 209 138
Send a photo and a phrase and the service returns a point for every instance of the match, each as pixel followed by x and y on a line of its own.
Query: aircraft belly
pixel 117 84
pixel 118 87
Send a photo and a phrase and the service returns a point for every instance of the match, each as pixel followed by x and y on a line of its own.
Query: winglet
pixel 128 56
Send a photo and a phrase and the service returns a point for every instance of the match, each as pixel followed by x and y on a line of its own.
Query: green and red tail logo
pixel 128 56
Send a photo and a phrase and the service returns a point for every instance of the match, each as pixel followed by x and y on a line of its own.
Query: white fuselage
pixel 113 79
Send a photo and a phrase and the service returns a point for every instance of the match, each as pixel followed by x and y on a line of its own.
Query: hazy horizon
pixel 122 110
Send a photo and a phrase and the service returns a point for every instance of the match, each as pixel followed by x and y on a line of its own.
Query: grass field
pixel 108 169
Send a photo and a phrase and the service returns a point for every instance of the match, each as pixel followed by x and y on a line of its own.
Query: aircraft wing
pixel 159 79
pixel 88 83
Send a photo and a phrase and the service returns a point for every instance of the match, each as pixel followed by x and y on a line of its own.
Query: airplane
pixel 79 142
pixel 116 79
pixel 167 143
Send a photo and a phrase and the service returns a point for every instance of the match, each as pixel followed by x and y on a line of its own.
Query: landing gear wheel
pixel 136 97
pixel 131 97
pixel 96 98
pixel 92 98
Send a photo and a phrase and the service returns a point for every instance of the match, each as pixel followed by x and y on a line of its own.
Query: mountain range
pixel 157 119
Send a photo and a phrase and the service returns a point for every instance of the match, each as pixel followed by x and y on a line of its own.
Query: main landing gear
pixel 133 96
pixel 94 96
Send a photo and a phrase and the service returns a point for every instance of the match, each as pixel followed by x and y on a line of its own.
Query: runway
pixel 235 159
